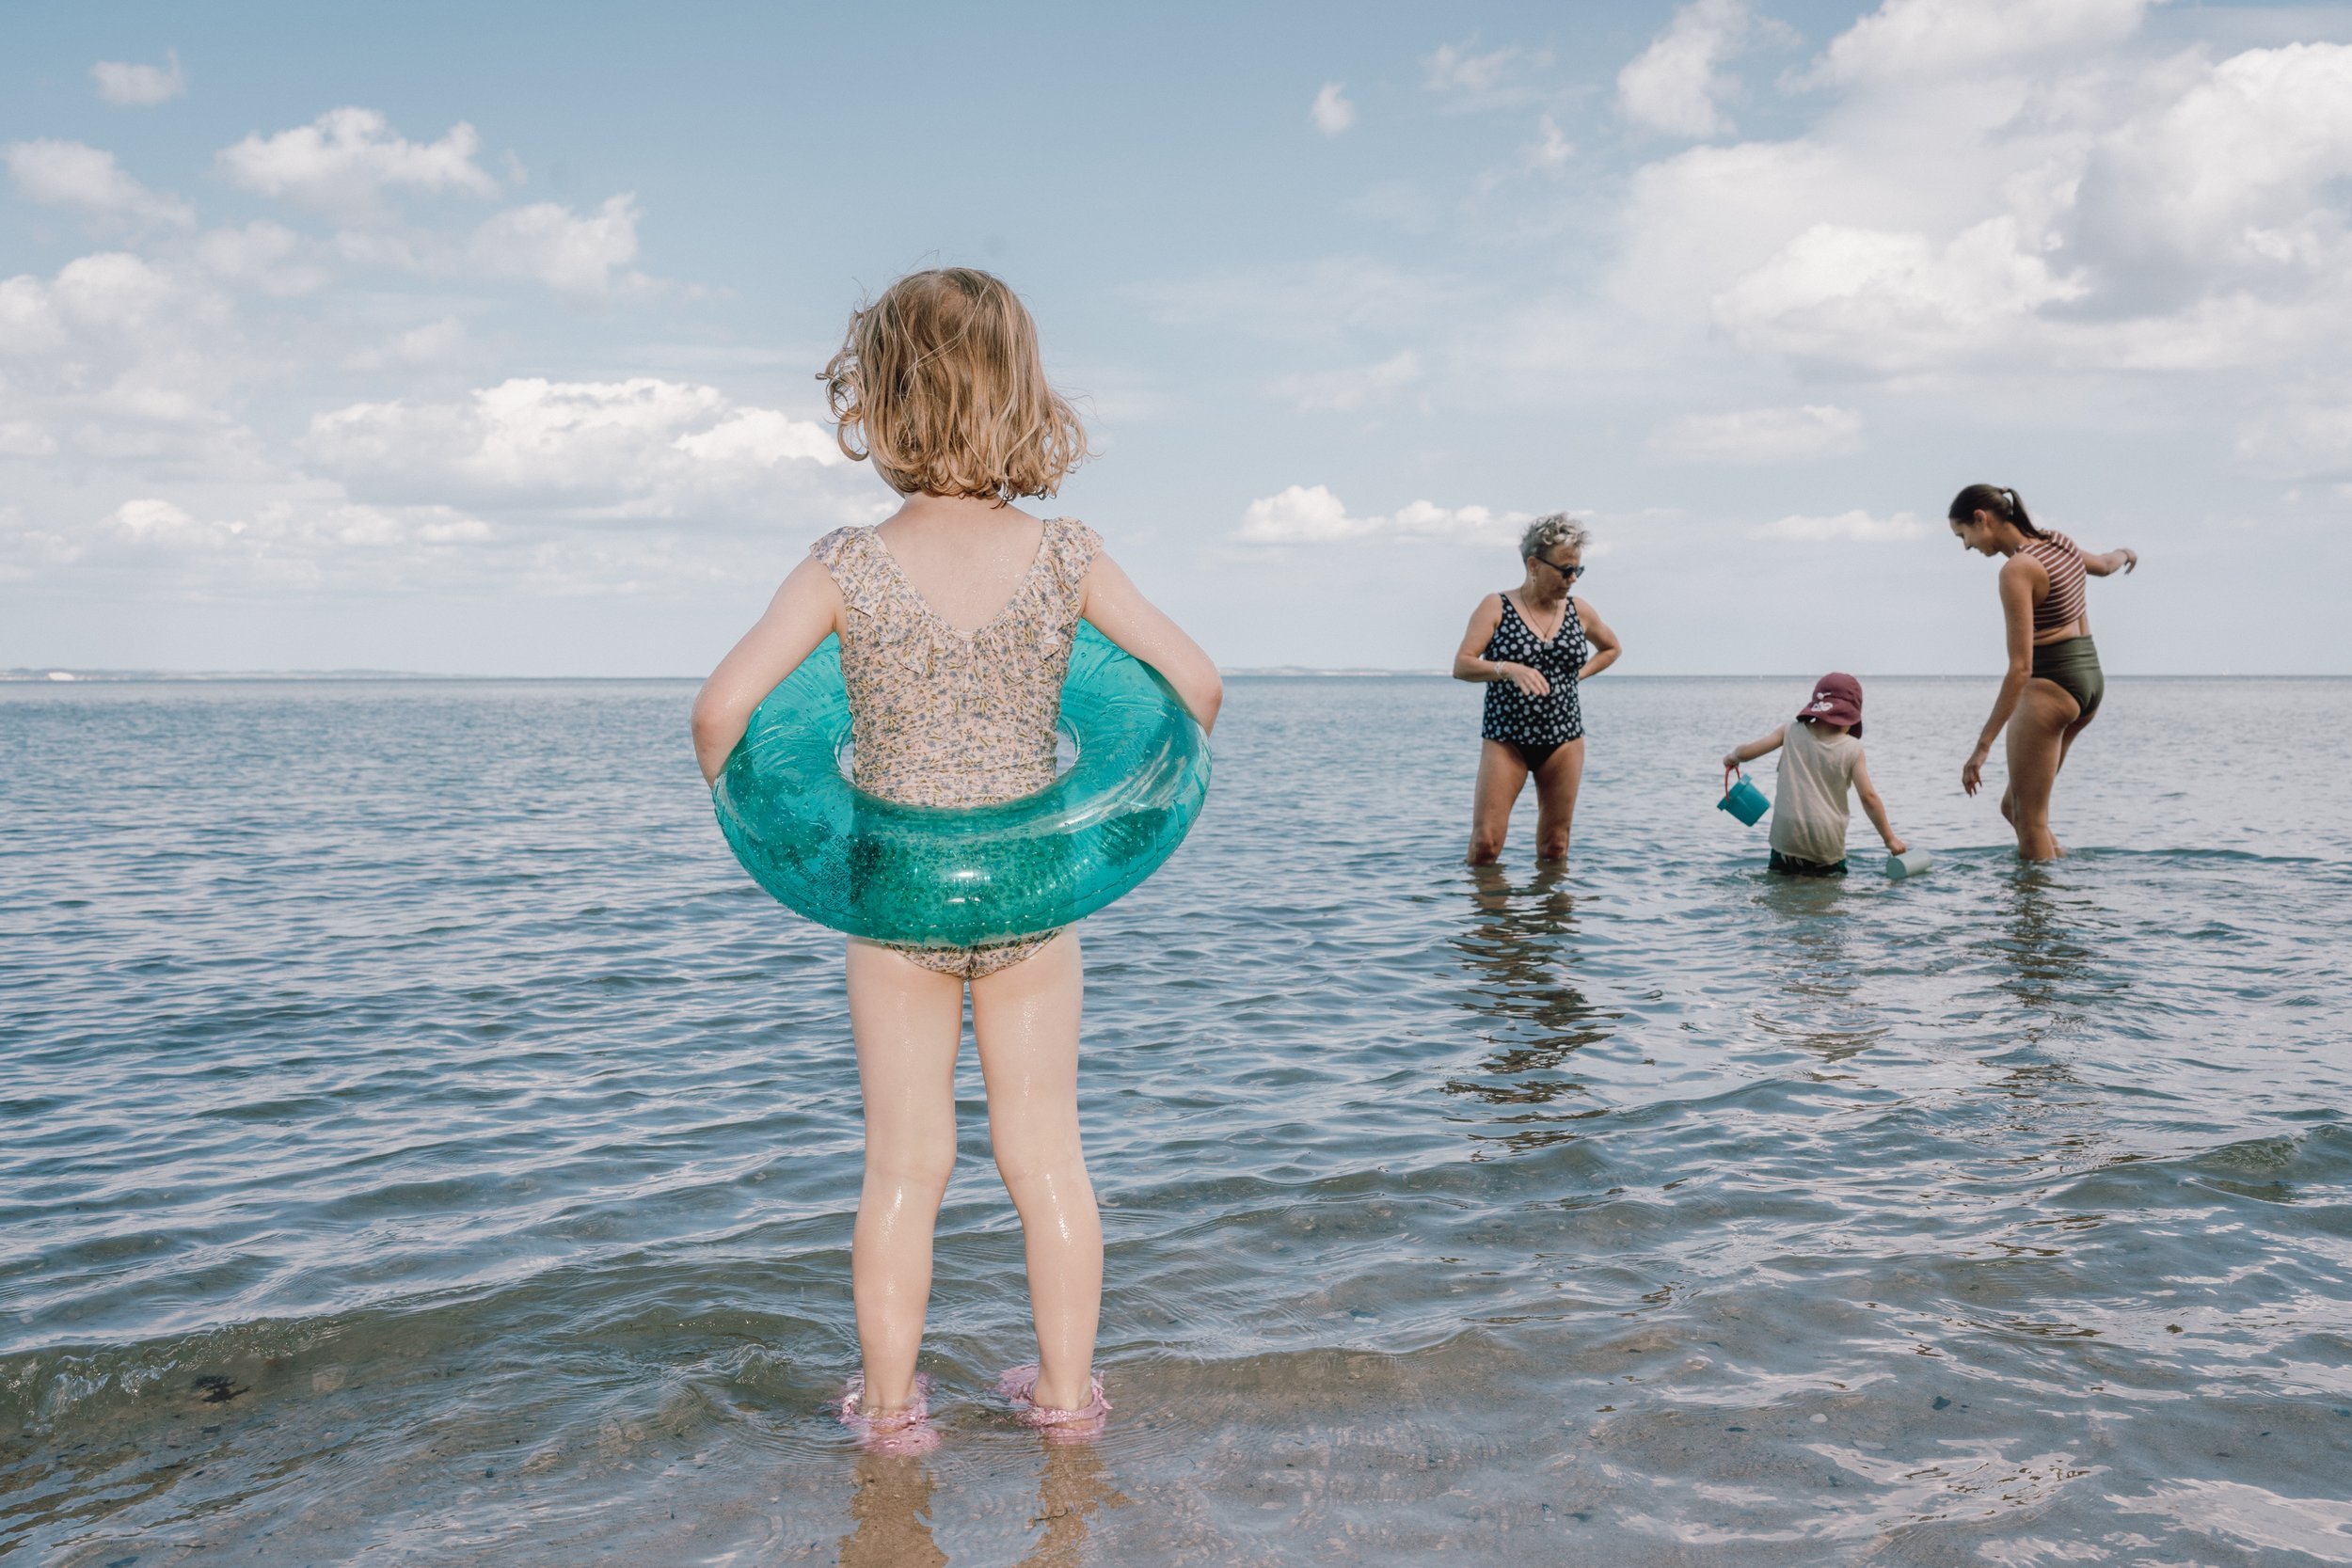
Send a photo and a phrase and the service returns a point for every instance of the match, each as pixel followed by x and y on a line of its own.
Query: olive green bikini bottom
pixel 2073 665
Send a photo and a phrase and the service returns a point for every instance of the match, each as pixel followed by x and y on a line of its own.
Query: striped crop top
pixel 2063 559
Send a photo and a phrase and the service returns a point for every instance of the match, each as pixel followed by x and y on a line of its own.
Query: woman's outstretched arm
pixel 1120 612
pixel 805 611
pixel 2017 580
pixel 2111 563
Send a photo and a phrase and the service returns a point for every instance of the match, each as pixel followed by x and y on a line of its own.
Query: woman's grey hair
pixel 1546 534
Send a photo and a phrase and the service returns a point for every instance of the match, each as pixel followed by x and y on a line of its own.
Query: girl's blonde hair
pixel 939 382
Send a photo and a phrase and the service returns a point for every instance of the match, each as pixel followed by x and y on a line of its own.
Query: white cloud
pixel 1893 303
pixel 2236 179
pixel 262 255
pixel 122 82
pixel 24 438
pixel 1678 83
pixel 1331 113
pixel 2312 442
pixel 1311 514
pixel 1306 301
pixel 1846 527
pixel 1349 389
pixel 69 174
pixel 1960 39
pixel 643 448
pixel 1551 151
pixel 1481 80
pixel 113 348
pixel 289 542
pixel 434 343
pixel 552 244
pixel 1761 436
pixel 341 163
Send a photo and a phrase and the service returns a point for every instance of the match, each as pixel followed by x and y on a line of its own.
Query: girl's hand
pixel 1897 846
pixel 1972 773
pixel 2131 558
pixel 1527 679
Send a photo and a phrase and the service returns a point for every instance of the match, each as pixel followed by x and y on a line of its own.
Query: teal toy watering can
pixel 1744 802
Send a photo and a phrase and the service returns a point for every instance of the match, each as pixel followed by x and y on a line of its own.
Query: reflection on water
pixel 891 1522
pixel 2049 932
pixel 890 1515
pixel 1518 947
pixel 1805 928
pixel 431 1150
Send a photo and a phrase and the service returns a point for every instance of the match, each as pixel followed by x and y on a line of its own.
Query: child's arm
pixel 1120 612
pixel 1752 751
pixel 2111 563
pixel 1874 807
pixel 803 612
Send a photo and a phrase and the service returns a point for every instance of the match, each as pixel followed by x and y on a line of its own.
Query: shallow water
pixel 420 1144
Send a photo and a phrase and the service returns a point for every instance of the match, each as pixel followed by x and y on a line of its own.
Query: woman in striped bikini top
pixel 2053 685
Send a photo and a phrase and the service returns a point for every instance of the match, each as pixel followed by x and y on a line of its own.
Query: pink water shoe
pixel 1056 1426
pixel 905 1430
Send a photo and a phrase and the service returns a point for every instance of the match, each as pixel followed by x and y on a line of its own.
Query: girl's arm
pixel 1875 808
pixel 804 611
pixel 1120 612
pixel 1471 662
pixel 1752 751
pixel 2017 608
pixel 2111 563
pixel 1604 642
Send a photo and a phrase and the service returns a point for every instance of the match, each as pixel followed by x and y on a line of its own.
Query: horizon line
pixel 53 675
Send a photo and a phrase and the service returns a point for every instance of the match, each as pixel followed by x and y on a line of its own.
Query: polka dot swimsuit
pixel 1535 726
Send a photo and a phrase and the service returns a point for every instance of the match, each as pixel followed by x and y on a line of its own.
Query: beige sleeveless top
pixel 1809 810
pixel 946 717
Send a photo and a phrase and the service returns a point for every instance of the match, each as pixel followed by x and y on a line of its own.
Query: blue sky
pixel 412 338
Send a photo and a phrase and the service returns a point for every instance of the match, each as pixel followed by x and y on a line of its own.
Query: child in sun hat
pixel 1821 759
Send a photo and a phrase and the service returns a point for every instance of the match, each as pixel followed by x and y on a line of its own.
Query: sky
pixel 484 340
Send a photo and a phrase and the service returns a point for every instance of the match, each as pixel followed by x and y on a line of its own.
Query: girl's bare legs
pixel 1026 1020
pixel 908 1022
pixel 1501 776
pixel 2040 733
pixel 1556 783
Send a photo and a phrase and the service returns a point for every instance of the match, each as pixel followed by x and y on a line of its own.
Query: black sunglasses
pixel 1569 573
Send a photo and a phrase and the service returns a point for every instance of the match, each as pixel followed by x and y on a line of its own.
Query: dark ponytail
pixel 2004 504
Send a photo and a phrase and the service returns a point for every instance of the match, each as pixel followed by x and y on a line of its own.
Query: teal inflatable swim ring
pixel 964 877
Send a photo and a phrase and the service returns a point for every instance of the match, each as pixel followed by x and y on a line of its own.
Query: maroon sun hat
pixel 1836 700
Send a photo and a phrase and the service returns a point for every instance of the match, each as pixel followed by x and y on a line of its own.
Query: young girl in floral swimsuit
pixel 955 616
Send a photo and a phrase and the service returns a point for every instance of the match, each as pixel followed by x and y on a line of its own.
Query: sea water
pixel 419 1143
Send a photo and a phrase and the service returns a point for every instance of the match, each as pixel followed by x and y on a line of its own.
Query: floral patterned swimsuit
pixel 941 717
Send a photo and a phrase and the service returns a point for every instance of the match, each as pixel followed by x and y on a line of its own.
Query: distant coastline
pixel 68 675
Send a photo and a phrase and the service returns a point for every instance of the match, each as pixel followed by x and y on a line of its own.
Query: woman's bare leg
pixel 1026 1020
pixel 2037 747
pixel 908 1022
pixel 1500 775
pixel 1556 783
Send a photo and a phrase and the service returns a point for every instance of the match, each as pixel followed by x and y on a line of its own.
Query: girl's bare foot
pixel 1019 1385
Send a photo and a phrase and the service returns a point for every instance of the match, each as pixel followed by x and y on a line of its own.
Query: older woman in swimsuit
pixel 1529 646
pixel 2054 684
